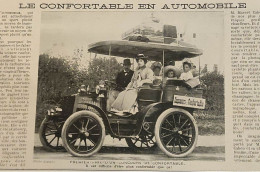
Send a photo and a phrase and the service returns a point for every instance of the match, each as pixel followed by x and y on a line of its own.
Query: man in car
pixel 124 77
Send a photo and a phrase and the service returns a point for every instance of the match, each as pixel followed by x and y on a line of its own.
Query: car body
pixel 165 112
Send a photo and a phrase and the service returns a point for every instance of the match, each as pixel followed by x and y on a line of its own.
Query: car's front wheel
pixel 83 133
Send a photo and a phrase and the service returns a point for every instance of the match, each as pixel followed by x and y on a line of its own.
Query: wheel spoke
pixel 58 141
pixel 86 127
pixel 184 124
pixel 173 118
pixel 186 137
pixel 82 124
pixel 55 125
pixel 47 126
pixel 173 146
pixel 184 141
pixel 153 142
pixel 135 140
pixel 169 123
pixel 169 141
pixel 92 127
pixel 92 141
pixel 50 133
pixel 186 129
pixel 180 146
pixel 167 129
pixel 86 144
pixel 96 134
pixel 74 141
pixel 73 133
pixel 52 139
pixel 76 127
pixel 79 144
pixel 166 135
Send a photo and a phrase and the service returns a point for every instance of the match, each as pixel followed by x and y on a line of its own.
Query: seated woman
pixel 186 75
pixel 126 100
pixel 156 67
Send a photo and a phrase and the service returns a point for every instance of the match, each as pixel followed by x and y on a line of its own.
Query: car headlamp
pixel 54 111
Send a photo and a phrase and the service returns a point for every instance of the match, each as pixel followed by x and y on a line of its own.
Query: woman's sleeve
pixel 130 85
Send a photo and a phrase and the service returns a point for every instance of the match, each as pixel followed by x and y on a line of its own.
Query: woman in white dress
pixel 126 100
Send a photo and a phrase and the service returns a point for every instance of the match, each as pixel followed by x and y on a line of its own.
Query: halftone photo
pixel 143 86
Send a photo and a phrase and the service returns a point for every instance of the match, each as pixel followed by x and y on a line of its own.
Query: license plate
pixel 192 102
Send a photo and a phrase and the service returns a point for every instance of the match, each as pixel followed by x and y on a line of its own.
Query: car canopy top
pixel 155 51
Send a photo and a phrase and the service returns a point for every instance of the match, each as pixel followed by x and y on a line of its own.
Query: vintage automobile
pixel 165 112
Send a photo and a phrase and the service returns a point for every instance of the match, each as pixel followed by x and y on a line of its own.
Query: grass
pixel 210 124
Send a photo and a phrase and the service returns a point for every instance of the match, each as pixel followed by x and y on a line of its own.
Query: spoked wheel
pixel 83 133
pixel 142 142
pixel 176 132
pixel 50 134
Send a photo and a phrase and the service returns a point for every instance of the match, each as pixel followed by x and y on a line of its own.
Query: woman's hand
pixel 139 83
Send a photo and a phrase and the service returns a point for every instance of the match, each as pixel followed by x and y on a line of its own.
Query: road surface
pixel 209 148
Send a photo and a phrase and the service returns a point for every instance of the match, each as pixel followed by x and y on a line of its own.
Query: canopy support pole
pixel 109 71
pixel 162 76
pixel 163 64
pixel 199 68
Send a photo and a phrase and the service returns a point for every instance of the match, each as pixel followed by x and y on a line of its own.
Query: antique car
pixel 165 112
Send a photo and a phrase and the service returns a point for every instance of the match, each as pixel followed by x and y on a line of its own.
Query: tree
pixel 56 78
pixel 102 69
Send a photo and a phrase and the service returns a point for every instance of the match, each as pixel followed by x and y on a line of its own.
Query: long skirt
pixel 125 100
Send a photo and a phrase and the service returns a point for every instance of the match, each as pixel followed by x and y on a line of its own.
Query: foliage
pixel 214 93
pixel 102 69
pixel 58 77
pixel 211 120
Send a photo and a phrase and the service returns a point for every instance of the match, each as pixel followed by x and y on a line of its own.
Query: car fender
pixel 153 111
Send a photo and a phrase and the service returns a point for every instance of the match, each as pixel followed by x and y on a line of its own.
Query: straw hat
pixel 188 62
pixel 174 69
pixel 155 65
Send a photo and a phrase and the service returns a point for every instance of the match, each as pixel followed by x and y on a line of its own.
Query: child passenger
pixel 186 75
pixel 156 68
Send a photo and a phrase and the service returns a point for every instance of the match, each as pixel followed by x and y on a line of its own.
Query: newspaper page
pixel 130 85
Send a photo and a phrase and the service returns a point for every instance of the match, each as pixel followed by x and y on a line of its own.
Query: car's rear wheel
pixel 176 132
pixel 144 141
pixel 83 133
pixel 50 134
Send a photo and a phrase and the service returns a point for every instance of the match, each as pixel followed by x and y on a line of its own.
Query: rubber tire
pixel 157 129
pixel 43 142
pixel 67 123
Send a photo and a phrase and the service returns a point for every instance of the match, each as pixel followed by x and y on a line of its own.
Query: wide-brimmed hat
pixel 127 62
pixel 176 71
pixel 155 65
pixel 188 62
pixel 141 56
